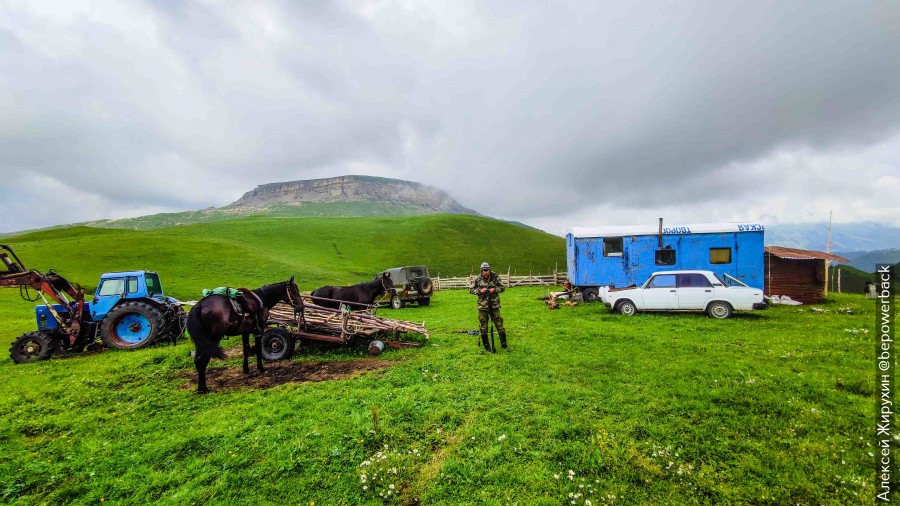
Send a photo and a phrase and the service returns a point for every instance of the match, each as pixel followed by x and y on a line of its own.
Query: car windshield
pixel 721 280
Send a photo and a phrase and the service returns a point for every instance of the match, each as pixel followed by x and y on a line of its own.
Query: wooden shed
pixel 797 273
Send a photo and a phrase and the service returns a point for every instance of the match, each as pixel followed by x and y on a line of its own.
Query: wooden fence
pixel 510 281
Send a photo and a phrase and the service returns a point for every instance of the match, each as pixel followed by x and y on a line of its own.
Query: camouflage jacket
pixel 487 300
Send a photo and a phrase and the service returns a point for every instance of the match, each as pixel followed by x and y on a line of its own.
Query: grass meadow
pixel 775 407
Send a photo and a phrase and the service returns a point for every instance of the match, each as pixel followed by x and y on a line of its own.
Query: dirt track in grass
pixel 232 377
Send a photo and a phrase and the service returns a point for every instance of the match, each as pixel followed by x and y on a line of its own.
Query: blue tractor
pixel 129 311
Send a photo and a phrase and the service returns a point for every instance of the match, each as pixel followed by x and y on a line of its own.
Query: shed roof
pixel 802 254
pixel 697 228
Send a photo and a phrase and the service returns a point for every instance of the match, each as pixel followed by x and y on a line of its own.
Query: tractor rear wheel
pixel 132 326
pixel 32 347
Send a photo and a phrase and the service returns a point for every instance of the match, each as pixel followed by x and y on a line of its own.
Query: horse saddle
pixel 248 305
pixel 244 302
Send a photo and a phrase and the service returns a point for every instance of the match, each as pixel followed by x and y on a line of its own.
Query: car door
pixel 694 291
pixel 661 292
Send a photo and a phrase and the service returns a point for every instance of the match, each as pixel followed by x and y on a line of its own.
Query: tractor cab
pixel 115 287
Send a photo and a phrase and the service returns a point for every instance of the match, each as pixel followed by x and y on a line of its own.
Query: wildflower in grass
pixel 501 438
pixel 556 476
pixel 571 474
pixel 391 486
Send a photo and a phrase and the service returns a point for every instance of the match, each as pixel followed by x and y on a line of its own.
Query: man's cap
pixel 485 266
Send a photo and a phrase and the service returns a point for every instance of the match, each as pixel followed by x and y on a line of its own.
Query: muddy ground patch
pixel 232 377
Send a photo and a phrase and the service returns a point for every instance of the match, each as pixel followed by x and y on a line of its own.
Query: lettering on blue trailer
pixel 751 227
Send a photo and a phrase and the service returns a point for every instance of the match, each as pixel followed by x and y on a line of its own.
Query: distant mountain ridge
pixel 350 196
pixel 407 195
pixel 858 237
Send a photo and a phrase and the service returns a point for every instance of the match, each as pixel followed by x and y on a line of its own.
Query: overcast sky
pixel 556 114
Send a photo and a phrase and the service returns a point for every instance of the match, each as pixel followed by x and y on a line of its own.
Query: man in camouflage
pixel 487 287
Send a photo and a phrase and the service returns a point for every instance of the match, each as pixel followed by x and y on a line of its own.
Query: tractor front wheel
pixel 132 326
pixel 32 347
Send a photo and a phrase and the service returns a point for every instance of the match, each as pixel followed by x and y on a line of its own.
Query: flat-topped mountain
pixel 407 196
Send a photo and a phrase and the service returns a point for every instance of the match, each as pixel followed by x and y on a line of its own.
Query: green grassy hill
pixel 853 280
pixel 253 251
pixel 773 407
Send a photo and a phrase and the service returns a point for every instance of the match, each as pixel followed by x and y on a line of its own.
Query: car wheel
pixel 627 308
pixel 590 295
pixel 396 302
pixel 719 309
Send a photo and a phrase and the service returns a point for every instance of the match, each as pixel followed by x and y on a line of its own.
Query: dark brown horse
pixel 214 317
pixel 362 293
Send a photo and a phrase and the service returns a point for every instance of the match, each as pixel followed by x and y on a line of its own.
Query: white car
pixel 686 291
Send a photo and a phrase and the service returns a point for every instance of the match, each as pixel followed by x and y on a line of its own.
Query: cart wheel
pixel 277 344
pixel 375 348
pixel 396 302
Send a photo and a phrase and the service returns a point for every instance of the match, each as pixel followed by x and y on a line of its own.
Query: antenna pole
pixel 828 250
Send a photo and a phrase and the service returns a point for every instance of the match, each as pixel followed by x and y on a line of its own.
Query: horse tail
pixel 203 342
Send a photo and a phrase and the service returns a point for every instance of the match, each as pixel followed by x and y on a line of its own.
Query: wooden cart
pixel 350 324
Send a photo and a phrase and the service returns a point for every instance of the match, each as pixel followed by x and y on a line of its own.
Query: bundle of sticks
pixel 335 321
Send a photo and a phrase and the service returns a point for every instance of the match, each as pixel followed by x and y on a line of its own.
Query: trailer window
pixel 112 287
pixel 612 246
pixel 665 256
pixel 720 255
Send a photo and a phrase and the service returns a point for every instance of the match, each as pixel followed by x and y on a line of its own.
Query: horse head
pixel 386 282
pixel 291 293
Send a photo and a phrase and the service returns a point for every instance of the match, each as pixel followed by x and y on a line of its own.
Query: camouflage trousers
pixel 494 314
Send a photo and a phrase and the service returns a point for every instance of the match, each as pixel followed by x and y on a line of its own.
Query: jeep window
pixel 693 281
pixel 415 273
pixel 720 255
pixel 612 246
pixel 665 256
pixel 112 287
pixel 132 283
pixel 153 285
pixel 662 281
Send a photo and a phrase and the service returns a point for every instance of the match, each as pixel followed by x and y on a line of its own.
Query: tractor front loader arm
pixel 14 273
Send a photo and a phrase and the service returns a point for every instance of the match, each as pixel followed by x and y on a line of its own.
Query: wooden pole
pixel 828 250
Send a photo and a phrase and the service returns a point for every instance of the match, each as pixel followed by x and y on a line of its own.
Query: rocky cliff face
pixel 352 189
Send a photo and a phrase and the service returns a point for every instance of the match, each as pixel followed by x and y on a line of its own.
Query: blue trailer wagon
pixel 615 257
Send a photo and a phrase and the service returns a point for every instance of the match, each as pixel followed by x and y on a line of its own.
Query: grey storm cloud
pixel 513 107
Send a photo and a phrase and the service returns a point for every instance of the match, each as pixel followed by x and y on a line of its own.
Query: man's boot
pixel 484 341
pixel 503 341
